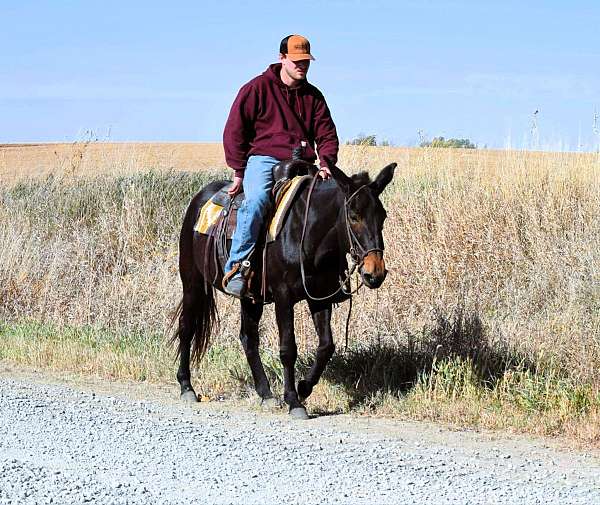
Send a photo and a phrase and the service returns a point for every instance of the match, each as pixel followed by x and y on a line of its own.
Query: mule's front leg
pixel 251 314
pixel 288 353
pixel 321 314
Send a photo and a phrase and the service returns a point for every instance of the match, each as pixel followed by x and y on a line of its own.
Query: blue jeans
pixel 258 183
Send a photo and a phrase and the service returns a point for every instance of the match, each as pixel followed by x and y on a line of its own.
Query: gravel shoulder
pixel 71 440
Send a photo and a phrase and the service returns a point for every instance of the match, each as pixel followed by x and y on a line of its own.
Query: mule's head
pixel 364 220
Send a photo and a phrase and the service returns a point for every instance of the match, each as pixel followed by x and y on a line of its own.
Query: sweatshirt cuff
pixel 239 172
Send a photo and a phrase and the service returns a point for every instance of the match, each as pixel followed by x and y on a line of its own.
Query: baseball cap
pixel 296 47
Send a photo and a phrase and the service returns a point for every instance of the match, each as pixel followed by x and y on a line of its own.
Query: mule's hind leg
pixel 251 314
pixel 188 321
pixel 321 314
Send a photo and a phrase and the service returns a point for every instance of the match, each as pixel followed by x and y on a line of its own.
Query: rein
pixel 357 261
pixel 353 241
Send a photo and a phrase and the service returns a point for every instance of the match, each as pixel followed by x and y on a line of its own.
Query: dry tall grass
pixel 494 261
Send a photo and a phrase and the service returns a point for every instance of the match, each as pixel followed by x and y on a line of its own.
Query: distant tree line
pixel 443 142
pixel 371 140
pixel 367 140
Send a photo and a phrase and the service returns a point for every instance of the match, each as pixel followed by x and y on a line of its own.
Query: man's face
pixel 296 70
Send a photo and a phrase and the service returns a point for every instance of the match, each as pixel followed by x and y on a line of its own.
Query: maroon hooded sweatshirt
pixel 271 119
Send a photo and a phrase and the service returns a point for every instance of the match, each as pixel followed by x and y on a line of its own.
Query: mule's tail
pixel 196 319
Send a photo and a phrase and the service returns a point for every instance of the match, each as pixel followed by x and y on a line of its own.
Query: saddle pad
pixel 211 211
pixel 209 215
pixel 283 202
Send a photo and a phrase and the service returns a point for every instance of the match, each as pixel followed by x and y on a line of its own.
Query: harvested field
pixel 24 161
pixel 18 161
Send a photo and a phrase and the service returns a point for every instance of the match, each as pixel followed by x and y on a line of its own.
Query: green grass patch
pixel 131 356
pixel 367 379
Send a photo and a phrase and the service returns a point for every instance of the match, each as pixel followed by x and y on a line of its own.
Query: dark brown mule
pixel 345 215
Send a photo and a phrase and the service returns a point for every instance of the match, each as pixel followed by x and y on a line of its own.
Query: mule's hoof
pixel 270 403
pixel 189 397
pixel 299 413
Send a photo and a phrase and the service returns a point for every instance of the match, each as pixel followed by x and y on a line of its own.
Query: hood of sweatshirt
pixel 273 73
pixel 292 95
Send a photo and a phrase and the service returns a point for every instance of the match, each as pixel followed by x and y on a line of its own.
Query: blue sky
pixel 149 71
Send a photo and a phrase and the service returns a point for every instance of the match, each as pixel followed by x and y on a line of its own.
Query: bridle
pixel 353 241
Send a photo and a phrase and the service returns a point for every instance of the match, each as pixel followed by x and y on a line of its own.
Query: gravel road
pixel 104 443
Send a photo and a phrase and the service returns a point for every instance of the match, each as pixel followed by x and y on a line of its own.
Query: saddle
pixel 218 217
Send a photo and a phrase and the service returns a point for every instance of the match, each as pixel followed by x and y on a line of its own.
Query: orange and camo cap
pixel 296 47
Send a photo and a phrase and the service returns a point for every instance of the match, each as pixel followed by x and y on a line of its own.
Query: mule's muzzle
pixel 373 269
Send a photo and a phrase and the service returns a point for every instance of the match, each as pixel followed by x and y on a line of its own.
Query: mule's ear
pixel 383 179
pixel 341 179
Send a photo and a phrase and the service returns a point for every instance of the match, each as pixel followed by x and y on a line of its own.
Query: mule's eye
pixel 353 216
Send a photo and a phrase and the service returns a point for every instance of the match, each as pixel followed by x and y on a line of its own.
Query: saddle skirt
pixel 220 207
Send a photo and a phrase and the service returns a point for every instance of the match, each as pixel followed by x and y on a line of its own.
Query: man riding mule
pixel 326 221
pixel 272 114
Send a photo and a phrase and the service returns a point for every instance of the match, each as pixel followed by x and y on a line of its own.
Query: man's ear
pixel 342 180
pixel 383 179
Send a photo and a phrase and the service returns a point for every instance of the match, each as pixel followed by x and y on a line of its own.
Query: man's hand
pixel 324 173
pixel 237 186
